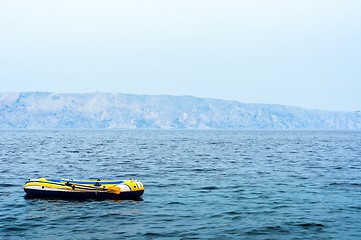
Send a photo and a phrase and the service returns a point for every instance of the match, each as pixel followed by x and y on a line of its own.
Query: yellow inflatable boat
pixel 84 189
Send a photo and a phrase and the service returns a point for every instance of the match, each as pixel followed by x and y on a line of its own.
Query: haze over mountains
pixel 43 110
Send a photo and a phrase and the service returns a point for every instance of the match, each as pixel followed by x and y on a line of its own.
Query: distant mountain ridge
pixel 43 110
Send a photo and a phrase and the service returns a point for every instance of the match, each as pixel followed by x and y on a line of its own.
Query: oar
pixel 111 189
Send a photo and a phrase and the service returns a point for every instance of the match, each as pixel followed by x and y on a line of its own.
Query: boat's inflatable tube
pixel 83 189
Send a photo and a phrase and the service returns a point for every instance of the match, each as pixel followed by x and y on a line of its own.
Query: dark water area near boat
pixel 198 184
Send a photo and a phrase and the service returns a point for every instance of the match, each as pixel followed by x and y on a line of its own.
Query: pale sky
pixel 303 53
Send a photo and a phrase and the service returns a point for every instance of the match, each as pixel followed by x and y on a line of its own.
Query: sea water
pixel 198 184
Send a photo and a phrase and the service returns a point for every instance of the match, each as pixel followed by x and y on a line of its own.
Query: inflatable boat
pixel 84 189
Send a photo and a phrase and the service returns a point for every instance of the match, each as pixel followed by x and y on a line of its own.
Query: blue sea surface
pixel 198 184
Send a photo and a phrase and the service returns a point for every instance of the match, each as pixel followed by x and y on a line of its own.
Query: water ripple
pixel 199 184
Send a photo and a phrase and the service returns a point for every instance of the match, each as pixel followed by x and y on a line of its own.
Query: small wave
pixel 151 234
pixel 237 190
pixel 345 184
pixel 209 188
pixel 217 215
pixel 311 225
pixel 159 235
pixel 175 203
pixel 205 170
pixel 202 155
pixel 15 228
pixel 73 151
pixel 267 230
pixel 356 207
pixel 355 184
pixel 5 194
pixel 160 185
pixel 232 213
pixel 5 185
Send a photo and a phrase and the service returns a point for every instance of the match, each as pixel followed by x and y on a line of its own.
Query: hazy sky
pixel 304 53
